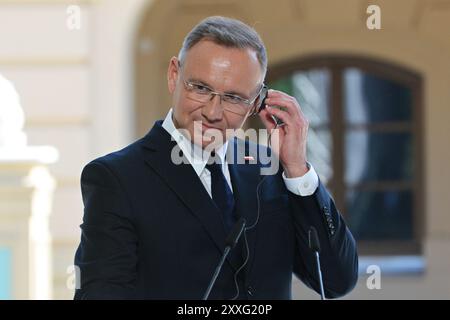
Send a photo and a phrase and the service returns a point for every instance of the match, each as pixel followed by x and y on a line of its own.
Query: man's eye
pixel 233 99
pixel 201 89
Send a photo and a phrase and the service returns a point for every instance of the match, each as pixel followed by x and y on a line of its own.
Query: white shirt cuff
pixel 305 185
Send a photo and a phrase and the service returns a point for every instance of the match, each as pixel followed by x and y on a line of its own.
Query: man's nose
pixel 213 110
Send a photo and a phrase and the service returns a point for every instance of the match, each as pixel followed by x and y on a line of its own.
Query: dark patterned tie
pixel 221 194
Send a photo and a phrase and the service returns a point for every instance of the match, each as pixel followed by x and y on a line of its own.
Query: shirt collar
pixel 196 156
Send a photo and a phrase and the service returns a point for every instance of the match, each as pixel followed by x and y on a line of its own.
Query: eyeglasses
pixel 230 102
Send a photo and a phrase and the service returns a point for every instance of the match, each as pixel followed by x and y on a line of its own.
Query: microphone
pixel 314 245
pixel 230 243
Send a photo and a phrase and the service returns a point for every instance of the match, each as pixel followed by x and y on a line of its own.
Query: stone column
pixel 26 189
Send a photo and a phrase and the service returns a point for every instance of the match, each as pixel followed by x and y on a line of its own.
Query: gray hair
pixel 227 32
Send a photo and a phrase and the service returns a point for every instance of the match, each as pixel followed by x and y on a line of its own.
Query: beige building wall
pixel 76 92
pixel 94 90
pixel 49 65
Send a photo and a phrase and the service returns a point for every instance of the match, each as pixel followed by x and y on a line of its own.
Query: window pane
pixel 371 99
pixel 312 90
pixel 319 146
pixel 380 215
pixel 378 156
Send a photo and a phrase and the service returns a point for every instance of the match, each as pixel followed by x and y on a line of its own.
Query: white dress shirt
pixel 305 185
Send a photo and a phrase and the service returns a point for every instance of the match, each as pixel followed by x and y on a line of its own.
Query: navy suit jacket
pixel 151 231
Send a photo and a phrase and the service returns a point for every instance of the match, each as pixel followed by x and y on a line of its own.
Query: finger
pixel 283 115
pixel 266 119
pixel 286 104
pixel 281 99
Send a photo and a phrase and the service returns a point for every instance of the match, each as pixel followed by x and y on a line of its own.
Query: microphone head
pixel 235 233
pixel 313 240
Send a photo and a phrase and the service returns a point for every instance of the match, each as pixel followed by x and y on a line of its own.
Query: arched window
pixel 365 140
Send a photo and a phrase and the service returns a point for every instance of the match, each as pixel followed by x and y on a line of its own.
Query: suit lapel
pixel 185 183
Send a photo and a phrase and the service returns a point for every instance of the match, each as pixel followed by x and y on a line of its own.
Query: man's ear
pixel 172 74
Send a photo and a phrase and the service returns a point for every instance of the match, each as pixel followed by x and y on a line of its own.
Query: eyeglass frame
pixel 249 102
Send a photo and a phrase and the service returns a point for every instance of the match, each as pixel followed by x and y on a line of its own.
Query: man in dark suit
pixel 157 212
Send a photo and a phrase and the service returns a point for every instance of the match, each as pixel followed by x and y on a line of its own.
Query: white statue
pixel 11 116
